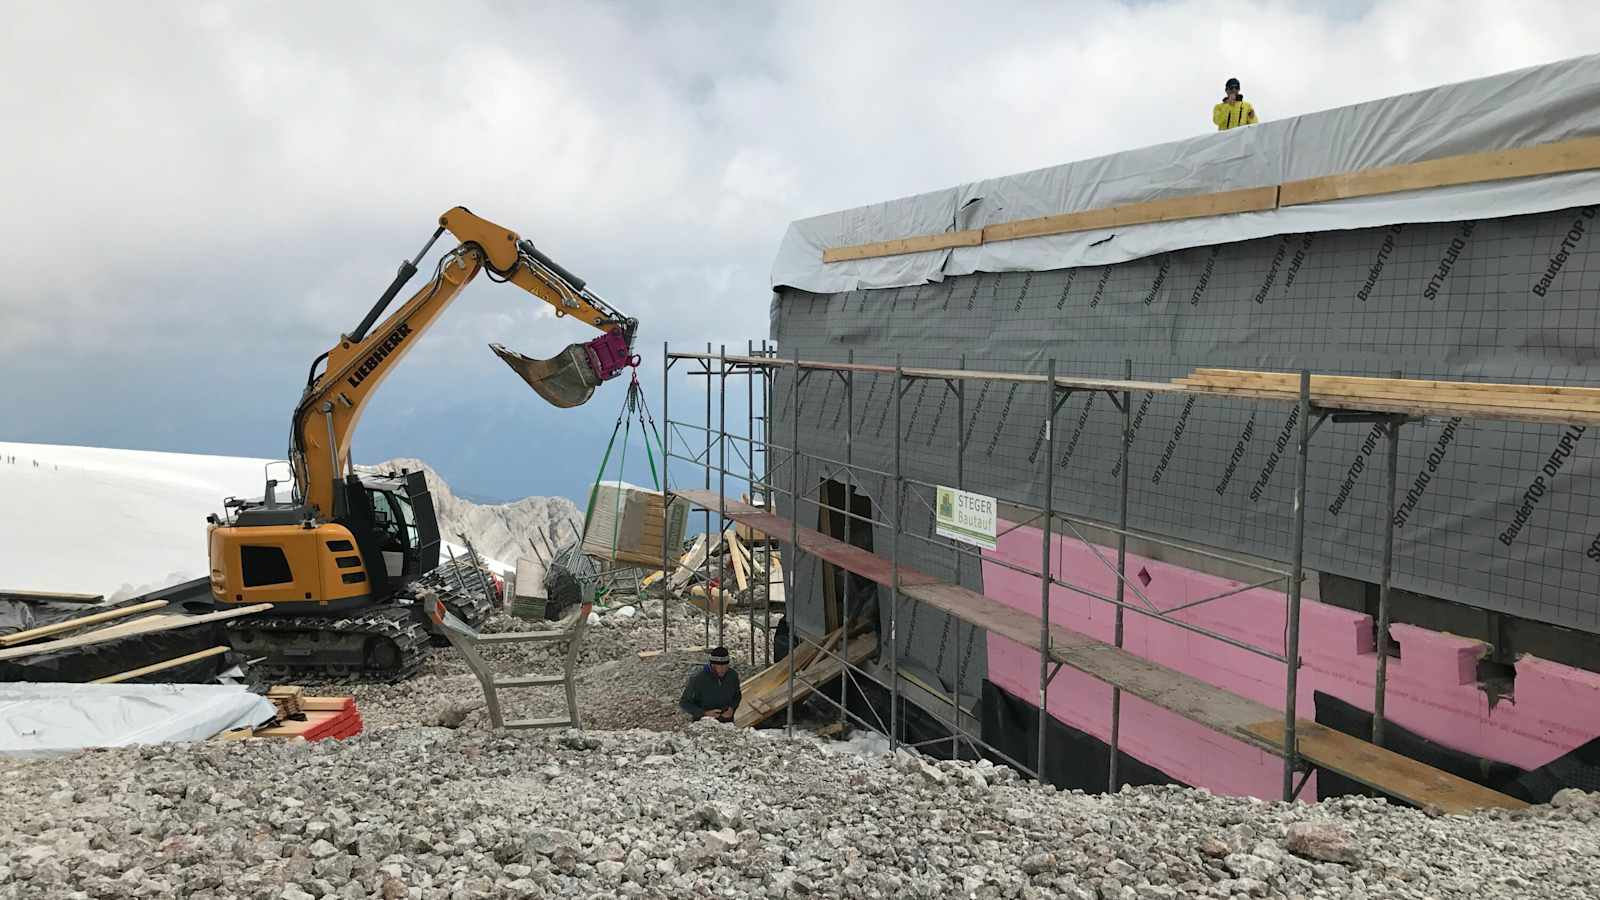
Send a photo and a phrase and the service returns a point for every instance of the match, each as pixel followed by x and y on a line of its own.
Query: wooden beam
pixel 49 596
pixel 33 634
pixel 1574 155
pixel 972 237
pixel 1384 770
pixel 159 623
pixel 157 667
pixel 1170 209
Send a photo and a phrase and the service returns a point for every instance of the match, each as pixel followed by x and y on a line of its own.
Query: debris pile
pixel 718 811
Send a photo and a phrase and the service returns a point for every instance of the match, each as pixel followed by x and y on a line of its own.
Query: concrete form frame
pixel 1311 418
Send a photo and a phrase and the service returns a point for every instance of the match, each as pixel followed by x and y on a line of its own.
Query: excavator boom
pixel 326 417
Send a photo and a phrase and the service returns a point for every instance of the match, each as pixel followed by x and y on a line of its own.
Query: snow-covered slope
pixel 122 522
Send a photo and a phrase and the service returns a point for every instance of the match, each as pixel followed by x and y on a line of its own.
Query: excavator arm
pixel 334 397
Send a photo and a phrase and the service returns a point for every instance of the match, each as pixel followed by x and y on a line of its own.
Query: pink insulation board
pixel 1432 688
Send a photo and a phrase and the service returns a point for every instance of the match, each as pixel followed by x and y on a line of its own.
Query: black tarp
pixel 86 663
pixel 1073 759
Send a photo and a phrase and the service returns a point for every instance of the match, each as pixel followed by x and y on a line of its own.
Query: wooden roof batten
pixel 1555 158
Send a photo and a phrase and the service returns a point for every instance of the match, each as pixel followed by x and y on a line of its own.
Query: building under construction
pixel 1286 431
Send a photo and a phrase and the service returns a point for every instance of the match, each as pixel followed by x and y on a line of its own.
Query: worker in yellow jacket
pixel 1234 110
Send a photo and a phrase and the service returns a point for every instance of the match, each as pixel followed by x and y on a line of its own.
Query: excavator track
pixel 385 644
pixel 466 589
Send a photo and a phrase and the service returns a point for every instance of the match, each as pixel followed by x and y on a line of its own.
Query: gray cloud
pixel 202 196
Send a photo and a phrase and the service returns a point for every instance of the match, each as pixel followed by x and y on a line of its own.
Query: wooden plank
pixel 33 634
pixel 775 590
pixel 49 596
pixel 689 564
pixel 1411 408
pixel 921 243
pixel 1574 155
pixel 1169 209
pixel 1577 391
pixel 768 692
pixel 1411 389
pixel 741 574
pixel 862 562
pixel 1384 770
pixel 157 667
pixel 159 623
pixel 652 654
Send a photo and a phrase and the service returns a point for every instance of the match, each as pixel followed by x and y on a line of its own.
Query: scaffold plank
pixel 1384 770
pixel 1227 713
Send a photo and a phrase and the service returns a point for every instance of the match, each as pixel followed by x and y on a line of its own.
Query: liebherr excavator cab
pixel 350 560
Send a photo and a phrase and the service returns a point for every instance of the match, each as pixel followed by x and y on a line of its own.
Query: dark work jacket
pixel 705 692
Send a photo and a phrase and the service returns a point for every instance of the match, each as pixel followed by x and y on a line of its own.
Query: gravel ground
pixel 642 805
pixel 714 811
pixel 616 689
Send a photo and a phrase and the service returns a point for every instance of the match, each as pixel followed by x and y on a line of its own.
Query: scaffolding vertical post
pixel 706 618
pixel 666 460
pixel 722 491
pixel 1291 653
pixel 1122 569
pixel 1044 557
pixel 750 479
pixel 961 485
pixel 794 523
pixel 766 501
pixel 1391 474
pixel 894 575
pixel 849 523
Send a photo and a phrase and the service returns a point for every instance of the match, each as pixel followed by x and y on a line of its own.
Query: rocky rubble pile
pixel 716 812
pixel 616 689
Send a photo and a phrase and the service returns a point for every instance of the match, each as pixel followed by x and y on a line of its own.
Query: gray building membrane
pixel 1496 515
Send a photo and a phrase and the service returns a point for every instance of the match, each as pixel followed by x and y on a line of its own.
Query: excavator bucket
pixel 565 380
pixel 569 378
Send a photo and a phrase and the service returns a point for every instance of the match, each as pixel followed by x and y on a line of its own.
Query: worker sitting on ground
pixel 1234 110
pixel 713 691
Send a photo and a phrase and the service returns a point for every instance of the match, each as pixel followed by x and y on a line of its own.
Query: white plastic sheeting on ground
pixel 1531 106
pixel 51 719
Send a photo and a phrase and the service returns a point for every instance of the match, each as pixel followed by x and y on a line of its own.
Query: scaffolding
pixel 1303 746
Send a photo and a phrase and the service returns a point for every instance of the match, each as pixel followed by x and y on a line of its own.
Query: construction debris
pixel 434 812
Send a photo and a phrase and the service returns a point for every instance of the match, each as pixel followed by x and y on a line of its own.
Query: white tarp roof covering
pixel 1531 106
pixel 51 719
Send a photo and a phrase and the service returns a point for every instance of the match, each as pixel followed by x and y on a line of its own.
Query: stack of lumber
pixel 1557 404
pixel 631 524
pixel 767 693
pixel 112 645
pixel 324 718
pixel 288 699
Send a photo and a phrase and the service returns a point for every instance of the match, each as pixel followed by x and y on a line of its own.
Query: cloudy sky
pixel 202 196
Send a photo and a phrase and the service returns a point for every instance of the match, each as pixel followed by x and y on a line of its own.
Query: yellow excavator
pixel 350 562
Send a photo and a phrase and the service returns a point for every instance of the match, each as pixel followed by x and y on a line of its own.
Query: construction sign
pixel 966 517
